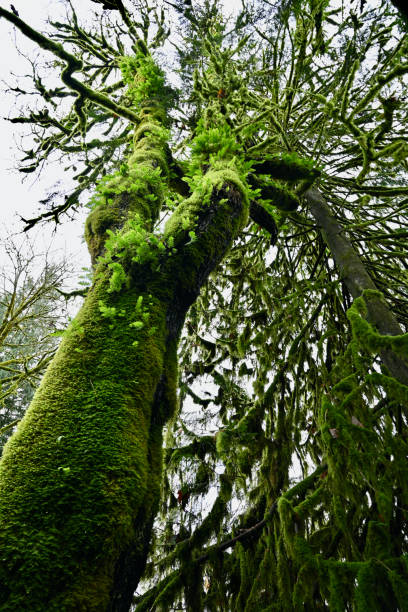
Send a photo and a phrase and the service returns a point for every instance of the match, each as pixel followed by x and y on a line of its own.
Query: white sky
pixel 20 197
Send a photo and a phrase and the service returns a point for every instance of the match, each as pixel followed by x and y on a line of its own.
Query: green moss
pixel 136 189
pixel 366 586
pixel 188 211
pixel 305 484
pixel 101 219
pixel 144 78
pixel 167 595
pixel 394 389
pixel 288 524
pixel 156 157
pixel 152 128
pixel 378 542
pixel 223 442
pixel 80 479
pixel 399 585
pixel 304 509
pixel 367 335
pixel 283 576
pixel 87 460
pixel 304 587
pixel 289 167
pixel 339 586
pixel 247 562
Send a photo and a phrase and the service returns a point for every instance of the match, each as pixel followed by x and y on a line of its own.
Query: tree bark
pixel 357 279
pixel 80 480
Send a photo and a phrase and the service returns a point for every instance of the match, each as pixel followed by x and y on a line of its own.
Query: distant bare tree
pixel 32 311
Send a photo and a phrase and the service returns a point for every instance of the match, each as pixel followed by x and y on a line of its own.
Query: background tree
pixel 296 111
pixel 32 312
pixel 282 325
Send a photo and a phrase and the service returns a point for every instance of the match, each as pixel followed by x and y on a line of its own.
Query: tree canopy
pixel 246 180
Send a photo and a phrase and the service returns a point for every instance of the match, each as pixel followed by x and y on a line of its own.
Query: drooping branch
pixel 230 542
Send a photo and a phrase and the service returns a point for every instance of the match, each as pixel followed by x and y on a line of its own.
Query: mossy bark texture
pixel 80 479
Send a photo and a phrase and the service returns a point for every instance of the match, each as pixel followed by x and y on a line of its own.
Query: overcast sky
pixel 20 197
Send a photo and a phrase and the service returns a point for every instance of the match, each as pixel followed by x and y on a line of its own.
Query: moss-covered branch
pixel 358 280
pixel 245 533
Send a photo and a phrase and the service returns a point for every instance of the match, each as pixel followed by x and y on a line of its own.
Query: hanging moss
pixel 264 583
pixel 340 589
pixel 366 587
pixel 193 588
pixel 378 540
pixel 304 587
pixel 248 562
pixel 366 334
pixel 168 594
pixel 284 582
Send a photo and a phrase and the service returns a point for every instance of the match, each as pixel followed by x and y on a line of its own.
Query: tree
pixel 32 311
pixel 280 163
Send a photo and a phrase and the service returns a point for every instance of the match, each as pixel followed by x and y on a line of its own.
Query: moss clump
pixel 144 78
pixel 135 192
pixel 186 215
pixel 288 167
pixel 98 222
pixel 366 335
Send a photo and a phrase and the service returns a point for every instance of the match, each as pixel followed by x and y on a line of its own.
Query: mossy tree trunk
pixel 80 479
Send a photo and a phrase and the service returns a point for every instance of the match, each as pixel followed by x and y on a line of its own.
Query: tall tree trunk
pixel 357 280
pixel 80 479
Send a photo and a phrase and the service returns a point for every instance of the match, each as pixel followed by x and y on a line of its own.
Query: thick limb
pixel 80 480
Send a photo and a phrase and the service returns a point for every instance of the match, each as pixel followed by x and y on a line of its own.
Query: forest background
pixel 285 454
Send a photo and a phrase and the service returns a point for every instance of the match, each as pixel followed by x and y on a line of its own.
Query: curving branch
pixel 73 64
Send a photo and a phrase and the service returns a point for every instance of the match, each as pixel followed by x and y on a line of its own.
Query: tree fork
pixel 80 479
